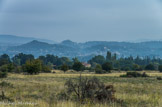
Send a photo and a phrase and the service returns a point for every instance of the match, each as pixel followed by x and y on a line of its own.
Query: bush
pixel 159 78
pixel 98 69
pixel 125 68
pixel 4 68
pixel 17 69
pixel 32 66
pixel 160 68
pixel 89 89
pixel 150 67
pixel 134 74
pixel 3 74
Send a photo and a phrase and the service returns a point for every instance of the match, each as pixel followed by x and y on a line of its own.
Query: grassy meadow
pixel 42 90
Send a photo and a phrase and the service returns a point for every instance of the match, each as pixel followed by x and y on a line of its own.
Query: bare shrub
pixel 90 89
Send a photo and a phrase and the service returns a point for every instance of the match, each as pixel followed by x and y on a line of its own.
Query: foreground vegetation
pixel 44 90
pixel 50 81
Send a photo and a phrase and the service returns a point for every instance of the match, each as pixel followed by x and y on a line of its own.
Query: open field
pixel 42 90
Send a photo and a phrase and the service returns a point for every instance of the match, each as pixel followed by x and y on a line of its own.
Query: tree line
pixel 126 63
pixel 26 63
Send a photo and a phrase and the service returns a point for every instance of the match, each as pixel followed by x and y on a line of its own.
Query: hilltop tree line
pixel 26 63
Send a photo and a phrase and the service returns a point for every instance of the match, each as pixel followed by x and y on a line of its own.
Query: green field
pixel 41 90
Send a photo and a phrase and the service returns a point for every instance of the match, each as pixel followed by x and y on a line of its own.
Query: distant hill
pixel 69 43
pixel 87 50
pixel 8 40
pixel 38 48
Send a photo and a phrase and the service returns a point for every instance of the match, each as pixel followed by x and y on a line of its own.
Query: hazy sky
pixel 82 20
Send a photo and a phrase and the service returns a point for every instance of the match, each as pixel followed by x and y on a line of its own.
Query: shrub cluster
pixel 134 74
pixel 92 89
pixel 3 74
pixel 159 78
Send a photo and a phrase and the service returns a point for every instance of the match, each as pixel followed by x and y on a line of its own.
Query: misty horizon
pixel 36 38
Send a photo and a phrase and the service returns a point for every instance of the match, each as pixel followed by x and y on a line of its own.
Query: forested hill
pixel 87 50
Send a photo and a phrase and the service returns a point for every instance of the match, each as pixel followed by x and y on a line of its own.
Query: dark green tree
pixel 114 57
pixel 4 59
pixel 78 66
pixel 75 60
pixel 64 67
pixel 64 60
pixel 160 68
pixel 21 58
pixel 108 56
pixel 98 69
pixel 43 59
pixel 150 67
pixel 137 67
pixel 107 66
pixel 97 59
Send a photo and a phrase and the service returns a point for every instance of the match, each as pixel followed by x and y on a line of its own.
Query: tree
pixel 4 68
pixel 52 59
pixel 64 67
pixel 136 67
pixel 46 69
pixel 97 59
pixel 75 60
pixel 21 58
pixel 4 59
pixel 7 67
pixel 78 66
pixel 32 66
pixel 114 57
pixel 107 66
pixel 108 57
pixel 43 59
pixel 160 68
pixel 150 67
pixel 98 69
pixel 11 67
pixel 64 60
pixel 125 68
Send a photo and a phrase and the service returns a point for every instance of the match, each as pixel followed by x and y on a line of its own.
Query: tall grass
pixel 42 90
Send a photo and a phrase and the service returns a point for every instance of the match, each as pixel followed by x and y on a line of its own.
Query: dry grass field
pixel 41 90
